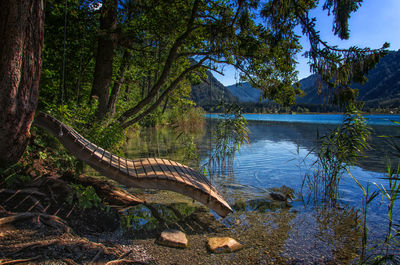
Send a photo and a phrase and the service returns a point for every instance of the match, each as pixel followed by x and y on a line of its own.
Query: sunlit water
pixel 280 153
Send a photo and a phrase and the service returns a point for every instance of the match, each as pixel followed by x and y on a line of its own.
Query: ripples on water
pixel 280 154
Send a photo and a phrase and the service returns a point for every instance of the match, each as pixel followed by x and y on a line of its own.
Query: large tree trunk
pixel 21 42
pixel 105 55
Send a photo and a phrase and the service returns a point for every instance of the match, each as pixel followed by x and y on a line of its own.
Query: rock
pixel 173 238
pixel 223 244
pixel 283 193
pixel 278 196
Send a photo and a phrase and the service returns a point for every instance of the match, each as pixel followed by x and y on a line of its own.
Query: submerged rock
pixel 283 193
pixel 223 244
pixel 173 238
pixel 278 196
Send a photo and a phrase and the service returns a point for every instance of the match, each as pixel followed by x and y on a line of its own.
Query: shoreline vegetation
pixel 305 113
pixel 109 69
pixel 118 234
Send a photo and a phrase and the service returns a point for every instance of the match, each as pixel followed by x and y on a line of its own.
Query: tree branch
pixel 166 70
pixel 164 94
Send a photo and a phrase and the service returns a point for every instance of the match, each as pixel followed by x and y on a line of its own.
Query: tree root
pixel 19 260
pixel 34 245
pixel 109 192
pixel 69 261
pixel 125 262
pixel 49 220
pixel 29 191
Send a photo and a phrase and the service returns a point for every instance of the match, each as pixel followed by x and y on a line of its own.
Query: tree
pixel 153 46
pixel 213 33
pixel 102 79
pixel 166 43
pixel 21 42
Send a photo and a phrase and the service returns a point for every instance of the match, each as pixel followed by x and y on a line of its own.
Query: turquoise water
pixel 376 119
pixel 281 152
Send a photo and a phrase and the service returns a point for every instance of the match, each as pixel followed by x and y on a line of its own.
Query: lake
pixel 281 151
pixel 375 119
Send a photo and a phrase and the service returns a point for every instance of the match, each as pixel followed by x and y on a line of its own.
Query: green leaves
pixel 339 150
pixel 230 133
pixel 86 196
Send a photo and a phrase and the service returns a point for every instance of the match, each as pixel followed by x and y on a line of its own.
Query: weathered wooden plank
pixel 106 157
pixel 141 172
pixel 74 133
pixel 192 177
pixel 151 168
pixel 167 172
pixel 94 150
pixel 157 170
pixel 125 166
pixel 189 179
pixel 99 153
pixel 131 168
pixel 150 173
pixel 114 161
pixel 86 144
pixel 177 174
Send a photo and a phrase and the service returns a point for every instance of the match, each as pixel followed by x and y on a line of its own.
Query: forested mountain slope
pixel 383 83
pixel 211 92
pixel 245 92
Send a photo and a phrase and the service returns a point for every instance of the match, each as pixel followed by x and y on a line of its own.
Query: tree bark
pixel 172 55
pixel 118 83
pixel 164 94
pixel 105 55
pixel 21 42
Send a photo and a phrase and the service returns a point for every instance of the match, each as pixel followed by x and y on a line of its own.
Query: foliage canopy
pixel 137 57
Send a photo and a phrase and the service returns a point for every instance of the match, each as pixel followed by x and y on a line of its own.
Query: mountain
pixel 245 92
pixel 383 83
pixel 381 90
pixel 211 92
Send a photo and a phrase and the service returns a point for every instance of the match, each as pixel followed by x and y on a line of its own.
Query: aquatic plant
pixel 339 150
pixel 230 133
pixel 391 193
pixel 367 199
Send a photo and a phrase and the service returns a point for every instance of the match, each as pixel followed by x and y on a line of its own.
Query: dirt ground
pixel 43 222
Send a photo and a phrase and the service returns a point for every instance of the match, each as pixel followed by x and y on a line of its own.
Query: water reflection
pixel 279 154
pixel 306 135
pixel 164 142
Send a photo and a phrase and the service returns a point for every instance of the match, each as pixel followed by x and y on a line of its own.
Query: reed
pixel 338 150
pixel 230 133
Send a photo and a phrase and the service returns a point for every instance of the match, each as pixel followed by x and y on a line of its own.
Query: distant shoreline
pixel 307 113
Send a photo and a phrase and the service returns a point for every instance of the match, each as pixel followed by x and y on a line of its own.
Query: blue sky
pixel 375 22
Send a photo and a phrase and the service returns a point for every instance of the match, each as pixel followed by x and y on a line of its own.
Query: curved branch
pixel 166 70
pixel 164 94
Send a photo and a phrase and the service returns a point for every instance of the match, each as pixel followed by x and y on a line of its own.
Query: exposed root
pixel 39 218
pixel 33 246
pixel 97 256
pixel 29 191
pixel 69 261
pixel 110 193
pixel 16 261
pixel 125 262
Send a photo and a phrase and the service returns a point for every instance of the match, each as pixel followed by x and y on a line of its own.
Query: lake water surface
pixel 281 151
